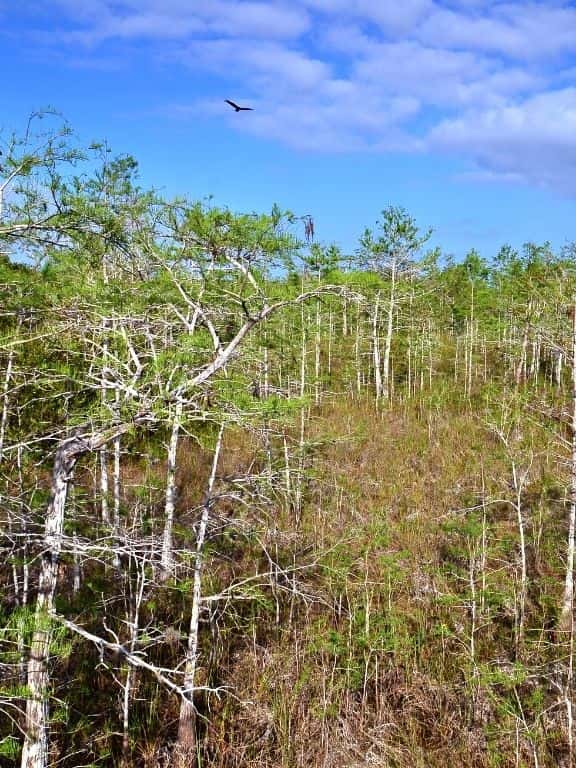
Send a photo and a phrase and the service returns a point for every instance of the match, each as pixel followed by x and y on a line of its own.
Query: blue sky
pixel 462 111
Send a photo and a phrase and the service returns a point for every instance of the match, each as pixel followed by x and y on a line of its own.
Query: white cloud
pixel 173 19
pixel 488 79
pixel 148 25
pixel 267 64
pixel 257 19
pixel 533 141
pixel 342 126
pixel 442 78
pixel 519 30
pixel 310 129
pixel 433 74
pixel 393 17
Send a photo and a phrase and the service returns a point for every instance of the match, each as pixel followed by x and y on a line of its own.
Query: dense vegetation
pixel 263 505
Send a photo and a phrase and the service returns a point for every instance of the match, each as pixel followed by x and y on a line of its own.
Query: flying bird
pixel 237 108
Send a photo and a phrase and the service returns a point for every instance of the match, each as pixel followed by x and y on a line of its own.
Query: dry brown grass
pixel 374 668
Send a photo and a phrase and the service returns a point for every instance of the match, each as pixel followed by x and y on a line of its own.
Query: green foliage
pixel 61 643
pixel 10 748
pixel 323 261
pixel 16 627
pixel 395 245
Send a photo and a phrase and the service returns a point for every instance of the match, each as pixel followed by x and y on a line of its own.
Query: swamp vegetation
pixel 264 505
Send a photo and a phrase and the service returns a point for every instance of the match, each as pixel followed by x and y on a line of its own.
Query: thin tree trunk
pixel 535 359
pixel 518 483
pixel 116 487
pixel 409 366
pixel 456 359
pixel 521 367
pixel 266 375
pixel 329 350
pixel 130 671
pixel 357 358
pixel 300 475
pixel 298 489
pixel 187 738
pixel 422 363
pixel 483 555
pixel 23 597
pixel 5 401
pixel 472 567
pixel 104 486
pixel 317 357
pixel 376 351
pixel 566 614
pixel 430 356
pixel 303 356
pixel 77 568
pixel 167 557
pixel 558 369
pixel 389 332
pixel 287 483
pixel 471 348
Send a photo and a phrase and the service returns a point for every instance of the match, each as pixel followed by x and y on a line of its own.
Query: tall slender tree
pixel 391 252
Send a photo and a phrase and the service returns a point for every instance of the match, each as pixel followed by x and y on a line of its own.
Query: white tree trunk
pixel 287 483
pixel 104 486
pixel 409 366
pixel 300 474
pixel 357 357
pixel 266 375
pixel 389 332
pixel 302 391
pixel 521 367
pixel 116 486
pixel 518 485
pixel 470 372
pixel 558 369
pixel 5 401
pixel 186 747
pixel 317 356
pixel 376 351
pixel 456 359
pixel 35 751
pixel 330 342
pixel 171 490
pixel 566 615
pixel 130 671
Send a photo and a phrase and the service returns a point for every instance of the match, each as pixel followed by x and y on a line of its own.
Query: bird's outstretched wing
pixel 237 108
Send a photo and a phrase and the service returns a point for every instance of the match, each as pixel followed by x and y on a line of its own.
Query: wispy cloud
pixel 95 21
pixel 398 18
pixel 533 141
pixel 265 63
pixel 519 30
pixel 491 81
